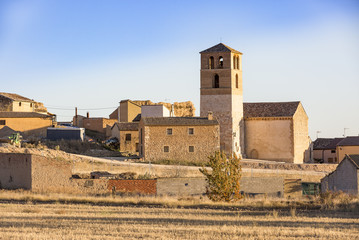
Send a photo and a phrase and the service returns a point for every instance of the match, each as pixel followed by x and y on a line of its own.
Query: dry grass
pixel 83 221
pixel 58 216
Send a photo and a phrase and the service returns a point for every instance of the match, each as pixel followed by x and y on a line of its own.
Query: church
pixel 276 131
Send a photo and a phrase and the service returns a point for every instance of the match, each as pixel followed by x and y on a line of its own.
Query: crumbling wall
pixel 181 109
pixel 15 171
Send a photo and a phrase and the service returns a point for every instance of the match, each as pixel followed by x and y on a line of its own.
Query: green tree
pixel 223 179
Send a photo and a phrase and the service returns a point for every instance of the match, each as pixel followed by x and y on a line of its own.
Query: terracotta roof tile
pixel 220 48
pixel 23 115
pixel 178 121
pixel 270 109
pixel 15 97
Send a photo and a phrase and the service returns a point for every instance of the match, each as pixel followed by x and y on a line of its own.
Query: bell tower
pixel 222 94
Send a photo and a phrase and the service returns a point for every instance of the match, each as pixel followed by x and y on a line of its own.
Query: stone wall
pixel 270 139
pixel 50 175
pixel 5 104
pixel 15 171
pixel 129 146
pixel 300 134
pixel 19 106
pixel 205 141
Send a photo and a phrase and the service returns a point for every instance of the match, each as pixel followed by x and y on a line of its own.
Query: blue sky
pixel 92 54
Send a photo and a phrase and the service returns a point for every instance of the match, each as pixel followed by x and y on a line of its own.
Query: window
pixel 211 63
pixel 128 137
pixel 333 151
pixel 137 147
pixel 19 104
pixel 169 131
pixel 191 149
pixel 220 62
pixel 2 122
pixel 234 62
pixel 166 149
pixel 216 81
pixel 190 131
pixel 238 63
pixel 30 104
pixel 237 81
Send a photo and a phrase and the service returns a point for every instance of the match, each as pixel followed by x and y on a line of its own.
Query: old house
pixel 276 131
pixel 27 123
pixel 178 138
pixel 127 135
pixel 347 146
pixel 324 150
pixel 345 177
pixel 11 102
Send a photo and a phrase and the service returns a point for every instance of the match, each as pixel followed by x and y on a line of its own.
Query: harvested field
pixel 24 215
pixel 82 221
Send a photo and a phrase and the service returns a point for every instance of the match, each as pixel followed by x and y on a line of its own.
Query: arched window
pixel 236 80
pixel 216 81
pixel 254 154
pixel 211 63
pixel 220 62
pixel 238 63
pixel 234 62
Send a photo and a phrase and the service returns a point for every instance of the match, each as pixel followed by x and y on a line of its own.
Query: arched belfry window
pixel 216 81
pixel 211 63
pixel 234 62
pixel 220 62
pixel 237 81
pixel 238 63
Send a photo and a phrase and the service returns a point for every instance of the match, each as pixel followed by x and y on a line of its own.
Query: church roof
pixel 178 121
pixel 220 48
pixel 270 109
pixel 15 97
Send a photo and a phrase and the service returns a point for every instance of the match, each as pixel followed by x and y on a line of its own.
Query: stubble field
pixel 86 221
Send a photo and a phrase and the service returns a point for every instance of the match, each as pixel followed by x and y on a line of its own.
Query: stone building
pixel 11 102
pixel 273 131
pixel 127 135
pixel 345 177
pixel 178 138
pixel 276 131
pixel 222 94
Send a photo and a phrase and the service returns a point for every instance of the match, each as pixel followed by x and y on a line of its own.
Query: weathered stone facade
pixel 276 131
pixel 222 93
pixel 188 139
pixel 127 135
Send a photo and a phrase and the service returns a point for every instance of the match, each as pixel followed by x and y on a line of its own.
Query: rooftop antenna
pixel 318 133
pixel 344 131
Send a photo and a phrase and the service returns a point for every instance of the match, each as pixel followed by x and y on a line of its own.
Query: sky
pixel 93 54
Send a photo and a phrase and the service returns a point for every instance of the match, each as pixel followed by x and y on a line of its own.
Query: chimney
pixel 88 115
pixel 210 115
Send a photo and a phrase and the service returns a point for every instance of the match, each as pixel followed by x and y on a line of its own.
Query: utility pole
pixel 344 131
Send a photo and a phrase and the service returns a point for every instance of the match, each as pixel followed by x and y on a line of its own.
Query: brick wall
pixel 133 186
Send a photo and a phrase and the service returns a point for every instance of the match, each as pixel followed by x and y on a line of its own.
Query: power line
pixel 82 109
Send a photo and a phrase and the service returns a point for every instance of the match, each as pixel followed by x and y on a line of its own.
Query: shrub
pixel 223 180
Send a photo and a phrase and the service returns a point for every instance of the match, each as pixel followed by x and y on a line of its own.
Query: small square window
pixel 333 151
pixel 166 148
pixel 2 122
pixel 128 137
pixel 190 131
pixel 191 149
pixel 19 104
pixel 169 131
